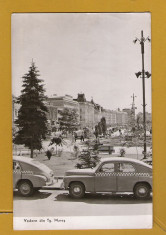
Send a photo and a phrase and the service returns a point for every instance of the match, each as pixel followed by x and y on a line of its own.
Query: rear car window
pixel 16 166
pixel 126 168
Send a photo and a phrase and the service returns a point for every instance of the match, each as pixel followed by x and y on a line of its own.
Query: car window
pixel 107 167
pixel 126 168
pixel 16 166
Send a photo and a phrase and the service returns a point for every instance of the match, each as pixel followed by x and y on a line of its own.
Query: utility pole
pixel 143 88
pixel 147 75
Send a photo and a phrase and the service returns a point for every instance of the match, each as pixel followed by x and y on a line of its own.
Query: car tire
pixel 142 191
pixel 77 190
pixel 25 188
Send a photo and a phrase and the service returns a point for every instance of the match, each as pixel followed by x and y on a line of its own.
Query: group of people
pixel 57 140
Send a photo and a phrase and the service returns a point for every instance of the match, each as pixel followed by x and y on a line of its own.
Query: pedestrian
pixel 76 151
pixel 82 137
pixel 75 136
pixel 49 152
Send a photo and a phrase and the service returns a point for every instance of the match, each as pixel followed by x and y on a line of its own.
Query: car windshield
pixel 95 168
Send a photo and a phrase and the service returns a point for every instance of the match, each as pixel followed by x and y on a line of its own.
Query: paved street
pixel 58 203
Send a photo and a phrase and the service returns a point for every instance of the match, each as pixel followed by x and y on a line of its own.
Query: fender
pixel 36 180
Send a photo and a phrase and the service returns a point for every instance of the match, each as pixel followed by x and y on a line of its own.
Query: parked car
pixel 30 175
pixel 106 149
pixel 148 160
pixel 113 174
pixel 79 133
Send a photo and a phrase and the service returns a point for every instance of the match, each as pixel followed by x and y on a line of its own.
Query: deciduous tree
pixel 68 119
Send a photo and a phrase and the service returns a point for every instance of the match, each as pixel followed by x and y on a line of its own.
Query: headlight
pixel 44 177
pixel 51 174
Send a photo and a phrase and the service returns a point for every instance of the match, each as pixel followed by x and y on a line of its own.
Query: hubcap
pixel 142 191
pixel 77 190
pixel 25 188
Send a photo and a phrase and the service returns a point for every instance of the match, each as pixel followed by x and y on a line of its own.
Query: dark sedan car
pixel 115 174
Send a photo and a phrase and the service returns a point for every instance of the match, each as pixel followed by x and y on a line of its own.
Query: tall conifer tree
pixel 32 120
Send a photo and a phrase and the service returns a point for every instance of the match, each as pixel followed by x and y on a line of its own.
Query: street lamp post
pixel 147 75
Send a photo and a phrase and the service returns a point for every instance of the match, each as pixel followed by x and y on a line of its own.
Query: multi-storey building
pixel 107 115
pixel 110 117
pixel 113 118
pixel 129 114
pixel 15 109
pixel 60 102
pixel 87 114
pixel 52 114
pixel 97 113
pixel 121 118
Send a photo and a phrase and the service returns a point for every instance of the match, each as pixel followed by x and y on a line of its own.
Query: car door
pixel 105 178
pixel 16 173
pixel 126 176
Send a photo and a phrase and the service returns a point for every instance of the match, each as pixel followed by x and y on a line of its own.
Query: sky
pixel 91 53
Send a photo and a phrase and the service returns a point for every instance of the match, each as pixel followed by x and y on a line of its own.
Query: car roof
pixel 23 159
pixel 28 160
pixel 123 159
pixel 32 162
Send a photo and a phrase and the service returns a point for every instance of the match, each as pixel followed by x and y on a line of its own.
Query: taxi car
pixel 30 175
pixel 115 174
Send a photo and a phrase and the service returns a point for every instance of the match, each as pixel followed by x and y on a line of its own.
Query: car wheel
pixel 25 188
pixel 142 191
pixel 77 190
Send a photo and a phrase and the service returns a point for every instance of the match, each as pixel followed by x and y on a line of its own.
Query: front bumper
pixel 56 184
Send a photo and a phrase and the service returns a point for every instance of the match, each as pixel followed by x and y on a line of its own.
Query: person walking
pixel 82 137
pixel 49 152
pixel 76 151
pixel 75 136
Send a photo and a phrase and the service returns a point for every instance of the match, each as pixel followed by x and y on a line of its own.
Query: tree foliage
pixel 32 121
pixel 96 131
pixel 99 128
pixel 122 152
pixel 68 119
pixel 103 125
pixel 87 160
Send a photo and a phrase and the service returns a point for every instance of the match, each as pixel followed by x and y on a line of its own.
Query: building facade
pixel 15 109
pixel 121 118
pixel 58 103
pixel 97 113
pixel 87 112
pixel 52 114
pixel 110 116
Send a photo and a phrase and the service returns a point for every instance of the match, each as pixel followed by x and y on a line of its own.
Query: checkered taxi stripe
pixel 122 174
pixel 23 172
